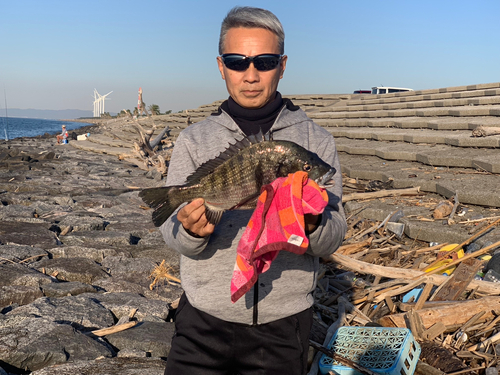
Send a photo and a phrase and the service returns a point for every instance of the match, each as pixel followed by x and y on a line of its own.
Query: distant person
pixel 63 137
pixel 267 330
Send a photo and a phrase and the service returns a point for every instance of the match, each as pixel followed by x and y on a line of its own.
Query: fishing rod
pixel 5 121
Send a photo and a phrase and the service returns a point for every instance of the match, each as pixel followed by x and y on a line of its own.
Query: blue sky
pixel 54 53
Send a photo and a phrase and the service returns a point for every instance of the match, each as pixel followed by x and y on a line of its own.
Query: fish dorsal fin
pixel 209 166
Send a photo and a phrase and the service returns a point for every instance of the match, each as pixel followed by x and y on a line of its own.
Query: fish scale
pixel 235 178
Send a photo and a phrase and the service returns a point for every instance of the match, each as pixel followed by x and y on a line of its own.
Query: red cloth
pixel 276 224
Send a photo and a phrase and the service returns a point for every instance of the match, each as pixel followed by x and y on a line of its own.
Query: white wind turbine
pixel 99 101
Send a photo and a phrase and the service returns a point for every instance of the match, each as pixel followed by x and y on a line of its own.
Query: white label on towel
pixel 295 240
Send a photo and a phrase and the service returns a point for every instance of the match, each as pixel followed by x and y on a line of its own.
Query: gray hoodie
pixel 207 264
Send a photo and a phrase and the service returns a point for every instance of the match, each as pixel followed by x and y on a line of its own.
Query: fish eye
pixel 307 167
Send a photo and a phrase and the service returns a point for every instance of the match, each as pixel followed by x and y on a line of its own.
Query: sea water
pixel 31 127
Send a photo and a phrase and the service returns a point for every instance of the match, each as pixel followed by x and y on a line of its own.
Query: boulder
pixel 81 312
pixel 120 304
pixel 22 253
pixel 154 338
pixel 83 223
pixel 95 254
pixel 32 234
pixel 30 343
pixel 108 366
pixel 18 294
pixel 17 274
pixel 97 238
pixel 63 289
pixel 72 269
pixel 135 270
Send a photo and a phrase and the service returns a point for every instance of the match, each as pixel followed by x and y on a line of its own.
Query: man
pixel 267 330
pixel 64 135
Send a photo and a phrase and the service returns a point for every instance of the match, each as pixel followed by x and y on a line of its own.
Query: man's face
pixel 251 88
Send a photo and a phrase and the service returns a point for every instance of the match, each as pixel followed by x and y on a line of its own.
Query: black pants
pixel 205 345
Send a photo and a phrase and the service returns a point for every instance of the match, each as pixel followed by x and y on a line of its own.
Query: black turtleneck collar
pixel 251 121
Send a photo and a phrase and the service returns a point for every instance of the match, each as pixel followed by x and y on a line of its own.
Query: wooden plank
pixel 414 323
pixel 451 314
pixel 390 304
pixel 459 280
pixel 423 296
pixel 434 331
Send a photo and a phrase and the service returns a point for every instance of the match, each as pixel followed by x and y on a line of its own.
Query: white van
pixel 388 90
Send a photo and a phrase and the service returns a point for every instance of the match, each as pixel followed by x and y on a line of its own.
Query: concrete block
pixel 494 112
pixel 469 141
pixel 428 112
pixel 443 159
pixel 412 123
pixel 469 111
pixel 450 123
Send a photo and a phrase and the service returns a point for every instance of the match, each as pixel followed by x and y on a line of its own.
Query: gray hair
pixel 252 18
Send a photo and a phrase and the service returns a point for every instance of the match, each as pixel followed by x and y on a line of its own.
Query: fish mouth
pixel 326 181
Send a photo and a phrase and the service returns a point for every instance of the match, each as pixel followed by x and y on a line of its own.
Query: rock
pixel 16 274
pixel 135 270
pixel 21 253
pixel 120 304
pixel 98 238
pixel 48 155
pixel 29 343
pixel 71 288
pixel 442 210
pixel 82 312
pixel 72 269
pixel 15 212
pixel 19 294
pixel 153 238
pixel 45 320
pixel 150 337
pixel 33 234
pixel 108 366
pixel 113 285
pixel 131 353
pixel 83 223
pixel 97 255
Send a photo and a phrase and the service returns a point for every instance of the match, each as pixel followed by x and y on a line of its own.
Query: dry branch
pixel 457 313
pixel 114 329
pixel 401 273
pixel 381 194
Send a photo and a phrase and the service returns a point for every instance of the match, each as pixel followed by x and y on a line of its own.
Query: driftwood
pixel 354 247
pixel 122 324
pixel 402 273
pixel 114 329
pixel 146 149
pixel 381 194
pixel 450 315
pixel 453 288
pixel 484 131
pixel 458 247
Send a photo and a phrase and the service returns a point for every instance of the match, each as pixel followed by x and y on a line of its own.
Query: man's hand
pixel 193 219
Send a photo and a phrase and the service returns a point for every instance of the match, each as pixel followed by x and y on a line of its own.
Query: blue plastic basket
pixel 387 351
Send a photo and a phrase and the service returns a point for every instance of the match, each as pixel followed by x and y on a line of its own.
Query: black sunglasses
pixel 240 63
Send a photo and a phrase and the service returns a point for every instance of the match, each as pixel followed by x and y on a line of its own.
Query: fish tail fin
pixel 214 215
pixel 162 201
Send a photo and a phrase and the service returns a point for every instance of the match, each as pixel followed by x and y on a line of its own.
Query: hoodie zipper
pixel 255 315
pixel 256 302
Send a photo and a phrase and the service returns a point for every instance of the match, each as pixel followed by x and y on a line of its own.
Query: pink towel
pixel 276 224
